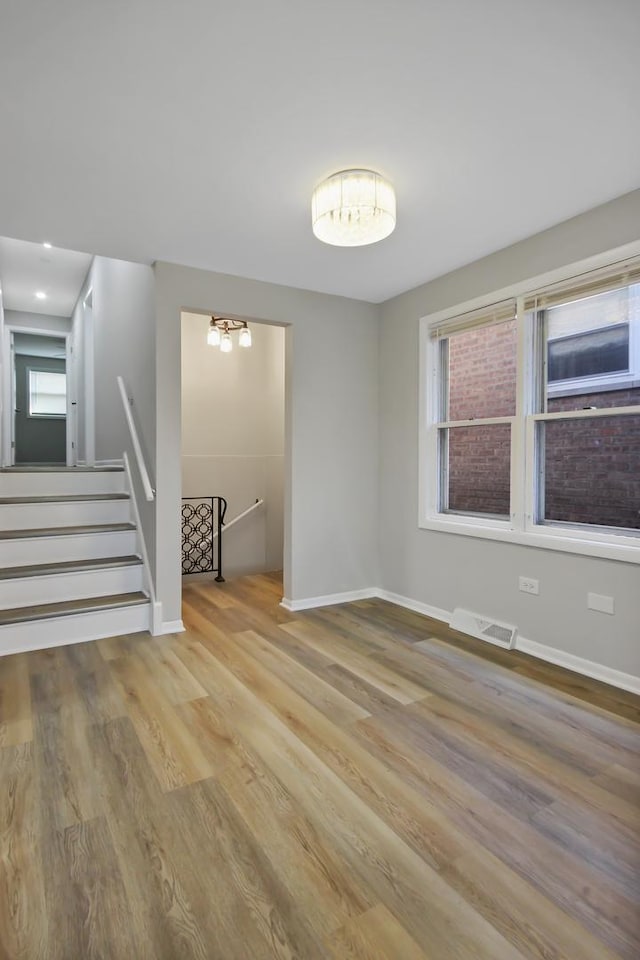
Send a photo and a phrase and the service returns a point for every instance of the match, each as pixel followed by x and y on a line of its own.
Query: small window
pixel 47 394
pixel 589 354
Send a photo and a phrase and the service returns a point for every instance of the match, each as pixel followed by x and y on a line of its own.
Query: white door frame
pixel 87 373
pixel 8 387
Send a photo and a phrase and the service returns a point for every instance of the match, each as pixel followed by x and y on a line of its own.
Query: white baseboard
pixel 328 599
pixel 597 671
pixel 436 613
pixel 169 626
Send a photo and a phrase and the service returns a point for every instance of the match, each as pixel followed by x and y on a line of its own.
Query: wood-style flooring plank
pixel 395 803
pixel 147 849
pixel 15 702
pixel 324 891
pixel 357 782
pixel 23 915
pixel 576 885
pixel 171 750
pixel 92 883
pixel 375 935
pixel 397 875
pixel 526 917
pixel 314 689
pixel 340 652
pixel 263 908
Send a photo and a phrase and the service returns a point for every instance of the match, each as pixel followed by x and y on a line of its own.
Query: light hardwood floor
pixel 350 783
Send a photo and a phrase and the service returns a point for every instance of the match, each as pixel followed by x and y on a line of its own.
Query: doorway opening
pixel 233 447
pixel 41 429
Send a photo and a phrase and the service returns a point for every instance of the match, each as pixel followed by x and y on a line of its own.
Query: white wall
pixel 123 337
pixel 233 437
pixel 331 487
pixel 445 570
pixel 37 321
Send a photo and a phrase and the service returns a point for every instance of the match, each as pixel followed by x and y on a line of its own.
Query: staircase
pixel 70 564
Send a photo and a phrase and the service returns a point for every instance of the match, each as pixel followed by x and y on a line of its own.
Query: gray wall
pixel 37 321
pixel 447 570
pixel 124 345
pixel 233 437
pixel 37 440
pixel 331 486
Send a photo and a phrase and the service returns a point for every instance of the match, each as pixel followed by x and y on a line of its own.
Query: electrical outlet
pixel 529 585
pixel 600 602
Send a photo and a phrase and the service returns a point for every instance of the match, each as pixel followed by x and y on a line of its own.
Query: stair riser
pixel 40 634
pixel 33 591
pixel 90 546
pixel 60 483
pixel 32 516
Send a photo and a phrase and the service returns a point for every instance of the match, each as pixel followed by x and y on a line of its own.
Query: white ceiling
pixel 26 268
pixel 194 131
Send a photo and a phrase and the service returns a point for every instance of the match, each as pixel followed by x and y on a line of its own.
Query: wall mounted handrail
pixel 149 492
pixel 239 517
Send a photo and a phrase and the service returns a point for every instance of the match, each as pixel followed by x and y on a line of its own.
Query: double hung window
pixel 532 415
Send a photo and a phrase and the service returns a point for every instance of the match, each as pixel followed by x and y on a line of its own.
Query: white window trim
pixel 519 528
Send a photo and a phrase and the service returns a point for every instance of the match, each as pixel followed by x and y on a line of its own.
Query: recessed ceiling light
pixel 41 295
pixel 47 245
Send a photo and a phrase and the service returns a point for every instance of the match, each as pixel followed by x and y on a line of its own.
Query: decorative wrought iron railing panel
pixel 202 522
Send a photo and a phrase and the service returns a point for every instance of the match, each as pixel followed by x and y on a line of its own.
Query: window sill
pixel 573 388
pixel 627 550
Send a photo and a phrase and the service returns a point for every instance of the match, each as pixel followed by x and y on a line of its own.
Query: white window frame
pixel 521 526
pixel 600 383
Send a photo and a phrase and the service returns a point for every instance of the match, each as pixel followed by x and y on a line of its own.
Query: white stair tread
pixel 67 566
pixel 47 611
pixel 66 498
pixel 65 531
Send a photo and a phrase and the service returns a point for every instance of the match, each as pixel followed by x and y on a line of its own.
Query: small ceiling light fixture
pixel 220 330
pixel 352 208
pixel 41 295
pixel 47 245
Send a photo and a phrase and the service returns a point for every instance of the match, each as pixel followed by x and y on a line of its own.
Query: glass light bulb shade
pixel 213 336
pixel 244 339
pixel 353 208
pixel 226 343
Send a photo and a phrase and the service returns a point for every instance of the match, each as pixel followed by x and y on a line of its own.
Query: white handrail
pixel 149 492
pixel 239 517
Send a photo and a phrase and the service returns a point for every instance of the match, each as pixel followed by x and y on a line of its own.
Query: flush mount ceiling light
pixel 353 208
pixel 41 295
pixel 220 330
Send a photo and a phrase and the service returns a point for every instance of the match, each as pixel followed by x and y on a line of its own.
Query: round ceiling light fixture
pixel 352 208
